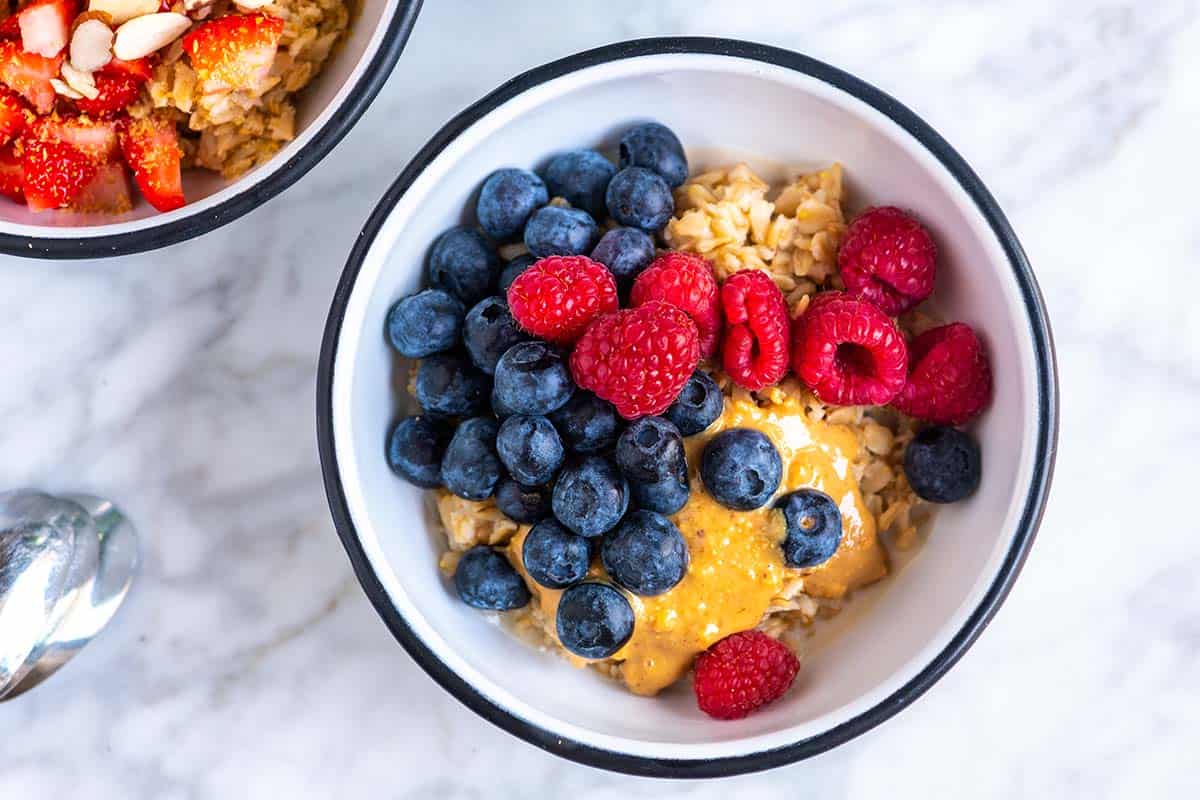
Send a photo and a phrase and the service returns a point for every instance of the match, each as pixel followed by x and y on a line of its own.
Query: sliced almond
pixel 91 45
pixel 252 5
pixel 64 90
pixel 122 11
pixel 142 36
pixel 80 81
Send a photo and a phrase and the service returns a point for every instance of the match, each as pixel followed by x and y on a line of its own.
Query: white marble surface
pixel 248 662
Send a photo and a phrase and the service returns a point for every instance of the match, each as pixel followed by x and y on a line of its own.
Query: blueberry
pixel 514 268
pixel 594 620
pixel 530 448
pixel 463 262
pixel 655 147
pixel 626 252
pixel 507 200
pixel 741 468
pixel 586 423
pixel 646 553
pixel 698 405
pixel 666 495
pixel 471 468
pixel 488 331
pixel 591 496
pixel 447 383
pixel 425 323
pixel 522 503
pixel 942 465
pixel 580 176
pixel 415 448
pixel 553 556
pixel 554 231
pixel 814 527
pixel 485 579
pixel 640 198
pixel 650 449
pixel 531 378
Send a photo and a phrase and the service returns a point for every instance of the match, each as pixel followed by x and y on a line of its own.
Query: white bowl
pixel 326 111
pixel 726 100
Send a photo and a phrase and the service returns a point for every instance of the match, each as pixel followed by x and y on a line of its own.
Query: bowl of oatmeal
pixel 127 125
pixel 587 533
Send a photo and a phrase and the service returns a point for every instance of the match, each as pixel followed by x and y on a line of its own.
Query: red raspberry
pixel 888 258
pixel 950 381
pixel 742 672
pixel 848 351
pixel 638 359
pixel 557 297
pixel 684 280
pixel 755 352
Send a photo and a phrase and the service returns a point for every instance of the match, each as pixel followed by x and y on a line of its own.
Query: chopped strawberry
pixel 54 173
pixel 140 69
pixel 29 74
pixel 95 138
pixel 14 115
pixel 107 192
pixel 10 28
pixel 46 26
pixel 234 52
pixel 151 149
pixel 10 175
pixel 116 93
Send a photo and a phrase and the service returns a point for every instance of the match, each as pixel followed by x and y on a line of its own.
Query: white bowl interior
pixel 203 189
pixel 723 109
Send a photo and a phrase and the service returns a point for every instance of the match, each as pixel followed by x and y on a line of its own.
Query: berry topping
pixel 484 579
pixel 116 92
pixel 425 323
pixel 586 423
pixel 530 448
pixel 512 269
pixel 639 198
pixel 666 495
pixel 755 351
pixel 488 331
pixel 520 503
pixel 553 556
pixel 151 149
pixel 415 449
pixel 594 620
pixel 463 262
pixel 54 173
pixel 556 231
pixel 29 75
pixel 531 378
pixel 580 177
pixel 470 467
pixel 638 359
pixel 11 175
pixel 591 496
pixel 814 527
pixel 657 148
pixel 45 26
pixel 558 297
pixel 942 465
pixel 848 351
pixel 14 115
pixel 950 381
pixel 684 280
pixel 888 257
pixel 233 52
pixel 626 252
pixel 743 672
pixel 507 201
pixel 741 468
pixel 650 449
pixel 108 192
pixel 645 553
pixel 698 405
pixel 448 384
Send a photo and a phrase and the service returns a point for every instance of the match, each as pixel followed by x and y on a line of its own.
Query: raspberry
pixel 848 351
pixel 742 672
pixel 638 359
pixel 557 297
pixel 950 381
pixel 684 280
pixel 755 352
pixel 887 257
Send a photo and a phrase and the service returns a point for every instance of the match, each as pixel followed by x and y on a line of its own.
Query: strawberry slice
pixel 234 52
pixel 46 26
pixel 116 93
pixel 151 149
pixel 95 138
pixel 29 74
pixel 54 173
pixel 10 28
pixel 140 69
pixel 10 175
pixel 108 192
pixel 14 115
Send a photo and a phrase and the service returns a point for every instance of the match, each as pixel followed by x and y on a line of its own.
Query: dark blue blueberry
pixel 522 503
pixel 943 465
pixel 814 527
pixel 594 620
pixel 741 468
pixel 640 198
pixel 650 449
pixel 657 148
pixel 554 231
pixel 626 252
pixel 484 579
pixel 580 176
pixel 425 323
pixel 488 331
pixel 553 556
pixel 463 263
pixel 449 384
pixel 507 200
pixel 591 496
pixel 514 268
pixel 646 553
pixel 530 448
pixel 586 423
pixel 698 405
pixel 531 378
pixel 666 496
pixel 471 468
pixel 415 449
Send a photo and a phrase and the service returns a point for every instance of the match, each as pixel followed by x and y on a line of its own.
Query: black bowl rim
pixel 1035 501
pixel 281 177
